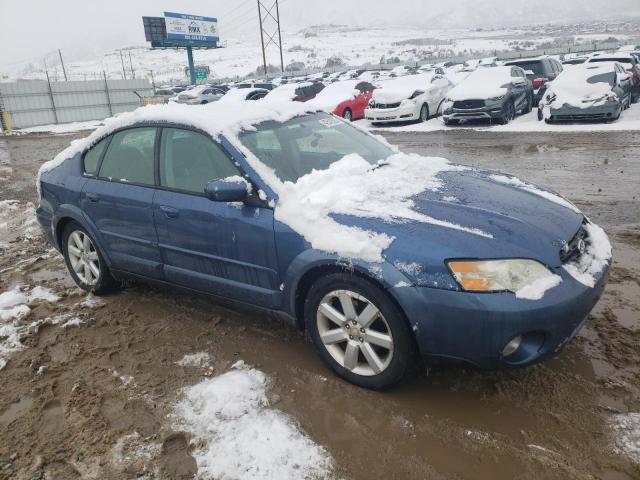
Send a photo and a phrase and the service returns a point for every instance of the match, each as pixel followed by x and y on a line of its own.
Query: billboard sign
pixel 183 27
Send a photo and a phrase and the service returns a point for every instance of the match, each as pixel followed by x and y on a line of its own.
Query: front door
pixel 227 249
pixel 119 200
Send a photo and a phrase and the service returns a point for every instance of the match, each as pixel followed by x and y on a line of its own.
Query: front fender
pixel 384 274
pixel 71 211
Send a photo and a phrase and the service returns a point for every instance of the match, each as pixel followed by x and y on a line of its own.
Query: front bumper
pixel 475 327
pixel 568 113
pixel 399 114
pixel 488 112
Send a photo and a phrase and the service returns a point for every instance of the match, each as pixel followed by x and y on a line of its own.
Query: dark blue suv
pixel 382 257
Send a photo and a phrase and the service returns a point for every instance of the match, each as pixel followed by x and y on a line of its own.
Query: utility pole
pixel 124 73
pixel 62 63
pixel 263 9
pixel 133 73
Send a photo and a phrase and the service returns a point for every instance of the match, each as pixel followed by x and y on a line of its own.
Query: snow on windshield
pixel 485 82
pixel 401 88
pixel 334 94
pixel 285 92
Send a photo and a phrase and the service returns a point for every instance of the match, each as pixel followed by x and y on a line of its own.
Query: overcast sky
pixel 29 29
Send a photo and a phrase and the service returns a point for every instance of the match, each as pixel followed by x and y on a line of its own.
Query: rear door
pixel 227 249
pixel 119 199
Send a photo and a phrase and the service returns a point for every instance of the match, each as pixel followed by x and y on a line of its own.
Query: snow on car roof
pixel 397 89
pixel 219 118
pixel 334 94
pixel 286 91
pixel 239 94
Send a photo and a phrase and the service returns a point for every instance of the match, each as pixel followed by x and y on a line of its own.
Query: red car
pixel 347 99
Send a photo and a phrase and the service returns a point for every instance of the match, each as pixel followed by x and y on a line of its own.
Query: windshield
pixel 296 147
pixel 535 66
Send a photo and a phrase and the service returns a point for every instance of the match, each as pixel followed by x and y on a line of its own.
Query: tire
pixel 529 106
pixel 347 114
pixel 540 114
pixel 364 363
pixel 83 275
pixel 424 113
pixel 451 122
pixel 203 102
pixel 508 114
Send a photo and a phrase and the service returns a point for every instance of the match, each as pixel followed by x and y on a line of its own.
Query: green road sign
pixel 201 74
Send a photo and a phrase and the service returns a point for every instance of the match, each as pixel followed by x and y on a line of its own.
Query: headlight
pixel 372 103
pixel 549 98
pixel 496 99
pixel 497 275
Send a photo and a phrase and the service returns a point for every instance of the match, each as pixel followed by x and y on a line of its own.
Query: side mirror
pixel 226 190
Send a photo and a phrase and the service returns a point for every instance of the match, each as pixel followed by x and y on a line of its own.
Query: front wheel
pixel 84 261
pixel 424 113
pixel 508 113
pixel 358 331
pixel 347 115
pixel 529 105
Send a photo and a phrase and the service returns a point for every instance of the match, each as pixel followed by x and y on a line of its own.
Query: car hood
pixel 515 219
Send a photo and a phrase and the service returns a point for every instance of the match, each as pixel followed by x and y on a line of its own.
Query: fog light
pixel 512 346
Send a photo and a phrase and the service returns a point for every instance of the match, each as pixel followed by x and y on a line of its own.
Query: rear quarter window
pixel 92 157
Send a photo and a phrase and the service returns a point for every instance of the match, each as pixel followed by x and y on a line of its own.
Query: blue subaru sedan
pixel 382 257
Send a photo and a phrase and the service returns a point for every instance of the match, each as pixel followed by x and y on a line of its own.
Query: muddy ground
pixel 75 401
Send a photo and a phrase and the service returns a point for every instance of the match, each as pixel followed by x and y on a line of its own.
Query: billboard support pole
pixel 192 68
pixel 279 38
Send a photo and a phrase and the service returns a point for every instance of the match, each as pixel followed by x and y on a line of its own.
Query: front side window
pixel 189 160
pixel 129 157
pixel 295 147
pixel 92 157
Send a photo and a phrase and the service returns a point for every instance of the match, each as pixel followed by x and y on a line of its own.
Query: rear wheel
pixel 424 113
pixel 451 122
pixel 84 261
pixel 358 331
pixel 203 102
pixel 347 114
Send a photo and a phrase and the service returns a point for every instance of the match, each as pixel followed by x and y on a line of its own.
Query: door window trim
pixel 99 164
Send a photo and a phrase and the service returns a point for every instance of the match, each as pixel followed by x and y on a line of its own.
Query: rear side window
pixel 129 157
pixel 92 157
pixel 189 160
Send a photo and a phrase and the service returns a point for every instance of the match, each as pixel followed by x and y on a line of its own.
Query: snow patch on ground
pixel 18 219
pixel 536 290
pixel 132 452
pixel 595 258
pixel 516 182
pixel 236 435
pixel 626 430
pixel 14 307
pixel 199 360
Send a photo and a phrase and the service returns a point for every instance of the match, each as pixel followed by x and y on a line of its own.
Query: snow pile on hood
pixel 516 182
pixel 352 186
pixel 334 94
pixel 286 92
pixel 483 83
pixel 626 428
pixel 217 118
pixel 572 87
pixel 595 258
pixel 398 89
pixel 237 436
pixel 14 306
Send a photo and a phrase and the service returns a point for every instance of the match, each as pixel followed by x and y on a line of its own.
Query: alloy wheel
pixel 347 115
pixel 83 257
pixel 354 332
pixel 424 113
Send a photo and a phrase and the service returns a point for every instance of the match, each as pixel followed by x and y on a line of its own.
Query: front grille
pixel 572 249
pixel 464 104
pixel 581 116
pixel 384 105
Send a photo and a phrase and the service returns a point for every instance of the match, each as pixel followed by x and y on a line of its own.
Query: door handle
pixel 170 212
pixel 92 197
